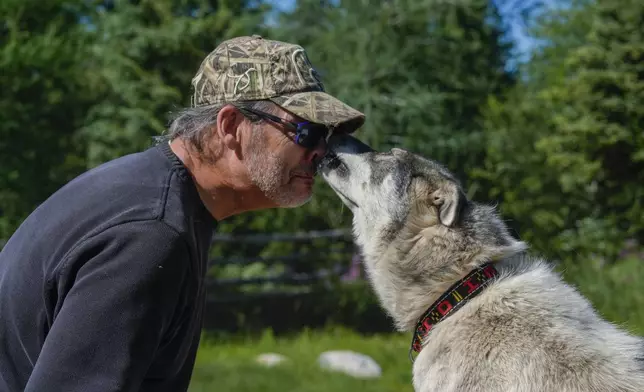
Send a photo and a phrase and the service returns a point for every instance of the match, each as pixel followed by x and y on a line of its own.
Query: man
pixel 102 287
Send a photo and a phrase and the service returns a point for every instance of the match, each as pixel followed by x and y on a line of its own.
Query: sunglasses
pixel 307 134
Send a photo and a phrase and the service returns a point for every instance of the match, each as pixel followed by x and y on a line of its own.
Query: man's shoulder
pixel 126 188
pixel 136 178
pixel 134 187
pixel 148 186
pixel 136 170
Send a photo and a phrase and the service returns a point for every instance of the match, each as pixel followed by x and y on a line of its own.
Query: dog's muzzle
pixel 347 144
pixel 330 161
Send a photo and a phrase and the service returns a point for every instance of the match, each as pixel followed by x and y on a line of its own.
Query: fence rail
pixel 337 234
pixel 288 278
pixel 319 264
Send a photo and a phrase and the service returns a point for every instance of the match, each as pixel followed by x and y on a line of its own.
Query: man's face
pixel 280 168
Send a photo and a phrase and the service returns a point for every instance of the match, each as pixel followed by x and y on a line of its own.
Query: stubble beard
pixel 267 171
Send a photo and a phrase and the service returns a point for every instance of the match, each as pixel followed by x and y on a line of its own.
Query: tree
pixel 145 54
pixel 568 154
pixel 421 70
pixel 83 82
pixel 42 103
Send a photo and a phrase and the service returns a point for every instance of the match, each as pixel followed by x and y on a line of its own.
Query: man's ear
pixel 450 200
pixel 228 121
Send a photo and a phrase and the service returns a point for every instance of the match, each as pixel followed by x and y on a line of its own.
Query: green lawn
pixel 228 364
pixel 616 291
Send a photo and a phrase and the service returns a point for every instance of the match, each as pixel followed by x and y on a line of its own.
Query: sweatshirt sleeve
pixel 121 288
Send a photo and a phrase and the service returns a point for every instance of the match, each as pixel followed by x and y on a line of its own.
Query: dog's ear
pixel 450 200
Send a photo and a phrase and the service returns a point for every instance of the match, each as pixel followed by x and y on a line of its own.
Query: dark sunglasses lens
pixel 309 135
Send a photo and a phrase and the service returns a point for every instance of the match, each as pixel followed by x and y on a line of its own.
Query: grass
pixel 616 290
pixel 228 364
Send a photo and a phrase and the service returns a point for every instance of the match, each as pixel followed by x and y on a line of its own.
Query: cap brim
pixel 320 107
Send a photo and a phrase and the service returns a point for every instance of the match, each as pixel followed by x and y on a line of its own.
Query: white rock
pixel 351 363
pixel 270 359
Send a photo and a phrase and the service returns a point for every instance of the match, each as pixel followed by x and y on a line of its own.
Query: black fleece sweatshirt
pixel 102 286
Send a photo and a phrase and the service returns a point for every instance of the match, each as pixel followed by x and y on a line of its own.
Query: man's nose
pixel 314 155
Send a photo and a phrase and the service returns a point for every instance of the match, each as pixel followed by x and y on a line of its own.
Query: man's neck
pixel 221 191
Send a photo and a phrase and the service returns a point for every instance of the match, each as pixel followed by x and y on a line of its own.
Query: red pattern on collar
pixel 455 297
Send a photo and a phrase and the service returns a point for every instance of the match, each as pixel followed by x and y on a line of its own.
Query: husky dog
pixel 484 315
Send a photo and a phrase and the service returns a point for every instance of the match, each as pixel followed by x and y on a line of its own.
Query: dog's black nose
pixel 344 143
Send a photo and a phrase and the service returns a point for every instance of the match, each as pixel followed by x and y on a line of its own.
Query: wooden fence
pixel 319 258
pixel 309 286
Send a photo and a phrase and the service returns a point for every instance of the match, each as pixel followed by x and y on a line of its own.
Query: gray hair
pixel 194 124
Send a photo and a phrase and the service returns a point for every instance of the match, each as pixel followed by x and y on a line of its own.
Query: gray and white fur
pixel 527 331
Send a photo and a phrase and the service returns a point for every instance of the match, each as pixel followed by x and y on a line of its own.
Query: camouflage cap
pixel 253 68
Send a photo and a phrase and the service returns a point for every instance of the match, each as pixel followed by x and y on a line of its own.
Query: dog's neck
pixel 405 289
pixel 424 258
pixel 410 277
